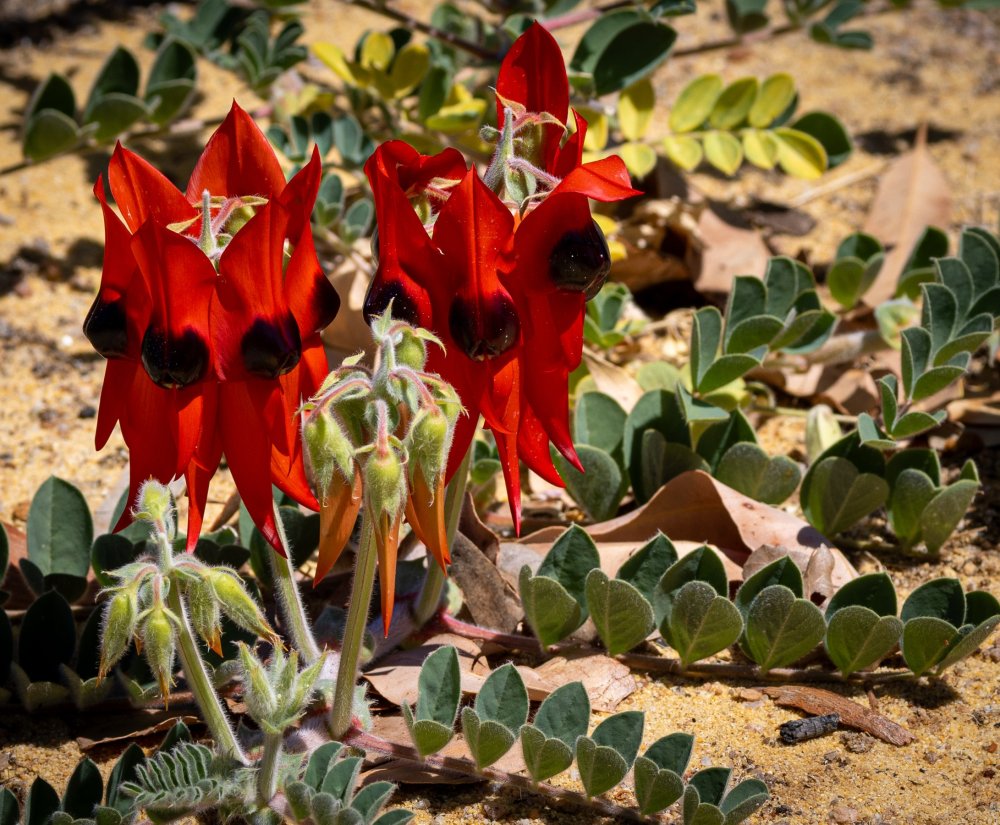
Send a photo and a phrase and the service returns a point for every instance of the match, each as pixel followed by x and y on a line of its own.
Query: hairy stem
pixel 267 775
pixel 196 675
pixel 367 741
pixel 290 600
pixel 354 630
pixel 433 587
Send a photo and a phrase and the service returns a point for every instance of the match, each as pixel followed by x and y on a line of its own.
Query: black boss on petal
pixel 106 328
pixel 174 360
pixel 488 332
pixel 381 292
pixel 580 261
pixel 271 347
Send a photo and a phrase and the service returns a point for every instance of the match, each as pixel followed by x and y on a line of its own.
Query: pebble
pixel 843 815
pixel 857 742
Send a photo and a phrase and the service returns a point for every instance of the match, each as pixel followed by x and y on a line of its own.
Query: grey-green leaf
pixel 622 732
pixel 544 756
pixel 701 564
pixel 572 557
pixel 439 687
pixel 503 698
pixel 839 496
pixel 941 598
pixel 970 639
pixel 601 767
pixel 925 642
pixel 748 469
pixel 655 789
pixel 743 800
pixel 565 714
pixel 672 752
pixel 601 486
pixel 943 512
pixel 873 590
pixel 781 629
pixel 780 571
pixel 487 740
pixel 60 529
pixel 644 568
pixel 551 612
pixel 857 637
pixel 701 623
pixel 621 613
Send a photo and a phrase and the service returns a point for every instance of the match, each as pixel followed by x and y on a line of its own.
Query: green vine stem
pixel 367 741
pixel 354 630
pixel 267 775
pixel 290 599
pixel 430 594
pixel 662 664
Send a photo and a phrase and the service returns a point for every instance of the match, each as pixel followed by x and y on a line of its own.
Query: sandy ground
pixel 929 65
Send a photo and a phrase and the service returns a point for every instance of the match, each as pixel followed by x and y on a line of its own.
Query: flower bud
pixel 260 700
pixel 155 504
pixel 329 450
pixel 425 514
pixel 337 513
pixel 411 351
pixel 205 614
pixel 428 441
pixel 120 619
pixel 387 547
pixel 237 604
pixel 384 481
pixel 158 641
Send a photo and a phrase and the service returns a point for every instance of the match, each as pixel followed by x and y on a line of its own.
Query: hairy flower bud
pixel 159 644
pixel 411 351
pixel 384 482
pixel 329 450
pixel 155 505
pixel 237 604
pixel 120 619
pixel 428 441
pixel 205 614
pixel 260 700
pixel 337 513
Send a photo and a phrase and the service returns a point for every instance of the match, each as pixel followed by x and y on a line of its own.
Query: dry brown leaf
pixel 490 599
pixel 912 195
pixel 111 728
pixel 607 681
pixel 696 507
pixel 612 380
pixel 824 571
pixel 818 701
pixel 727 251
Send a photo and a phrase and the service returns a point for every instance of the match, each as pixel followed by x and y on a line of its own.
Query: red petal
pixel 118 376
pixel 143 193
pixel 507 448
pixel 571 154
pixel 310 295
pixel 603 180
pixel 238 160
pixel 299 196
pixel 198 476
pixel 533 447
pixel 533 73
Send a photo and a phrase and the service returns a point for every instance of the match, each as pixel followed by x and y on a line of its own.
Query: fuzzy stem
pixel 367 741
pixel 354 630
pixel 454 496
pixel 267 775
pixel 289 598
pixel 196 675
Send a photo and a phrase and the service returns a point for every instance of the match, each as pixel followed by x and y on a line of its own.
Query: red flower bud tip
pixel 338 511
pixel 425 514
pixel 387 543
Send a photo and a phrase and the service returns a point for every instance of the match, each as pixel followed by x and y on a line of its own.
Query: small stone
pixel 747 695
pixel 857 742
pixel 931 757
pixel 843 815
pixel 989 773
pixel 87 411
pixel 991 747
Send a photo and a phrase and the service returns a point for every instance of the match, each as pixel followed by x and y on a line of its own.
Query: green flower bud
pixel 205 615
pixel 260 700
pixel 120 619
pixel 328 450
pixel 411 351
pixel 155 504
pixel 384 482
pixel 237 604
pixel 159 644
pixel 428 441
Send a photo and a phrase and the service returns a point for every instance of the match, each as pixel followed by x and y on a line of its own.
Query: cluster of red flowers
pixel 210 328
pixel 502 281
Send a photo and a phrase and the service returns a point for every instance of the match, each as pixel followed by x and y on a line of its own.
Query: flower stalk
pixel 290 599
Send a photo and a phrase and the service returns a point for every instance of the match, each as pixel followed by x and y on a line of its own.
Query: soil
pixel 930 65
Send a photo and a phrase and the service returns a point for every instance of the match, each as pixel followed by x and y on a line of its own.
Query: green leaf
pixel 662 461
pixel 912 491
pixel 54 94
pixel 746 16
pixel 635 109
pixel 830 133
pixel 724 151
pixel 800 154
pixel 124 771
pixel 776 94
pixel 409 68
pixel 551 612
pixel 939 599
pixel 701 564
pixel 781 571
pixel 503 698
pixel 701 623
pixel 168 100
pixel 599 421
pixel 370 800
pixel 84 790
pixel 47 134
pixel 109 552
pixel 743 800
pixel 620 48
pixel 695 103
pixel 41 803
pixel 621 732
pixel 925 642
pixel 716 441
pixel 644 568
pixel 60 529
pixel 780 628
pixel 428 736
pixel 857 637
pixel 969 640
pixel 760 148
pixel 439 687
pixel 655 789
pixel 319 763
pixel 711 784
pixel 341 778
pixel 398 816
pixel 639 159
pixel 980 606
pixel 874 591
pixel 601 486
pixel 119 75
pixel 943 512
pixel 565 714
pixel 849 279
pixel 621 613
pixel 10 811
pixel 48 637
pixel 572 556
pixel 747 468
pixel 601 767
pixel 487 741
pixel 734 104
pixel 544 756
pixel 683 151
pixel 672 752
pixel 839 496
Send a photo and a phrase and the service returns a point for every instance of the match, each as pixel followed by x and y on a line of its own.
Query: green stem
pixel 196 675
pixel 267 776
pixel 289 598
pixel 430 594
pixel 354 631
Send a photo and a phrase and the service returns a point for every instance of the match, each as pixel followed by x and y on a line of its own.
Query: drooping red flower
pixel 500 267
pixel 211 335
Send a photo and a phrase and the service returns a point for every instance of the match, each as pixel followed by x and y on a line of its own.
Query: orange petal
pixel 387 541
pixel 425 514
pixel 337 514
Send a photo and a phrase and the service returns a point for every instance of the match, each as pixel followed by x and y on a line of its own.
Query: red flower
pixel 500 268
pixel 212 338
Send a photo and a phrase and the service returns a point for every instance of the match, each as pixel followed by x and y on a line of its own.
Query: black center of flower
pixel 174 360
pixel 484 334
pixel 381 291
pixel 580 261
pixel 106 328
pixel 271 347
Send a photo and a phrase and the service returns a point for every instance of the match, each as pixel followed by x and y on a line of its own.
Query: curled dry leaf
pixel 612 380
pixel 824 571
pixel 726 251
pixel 819 702
pixel 607 681
pixel 107 729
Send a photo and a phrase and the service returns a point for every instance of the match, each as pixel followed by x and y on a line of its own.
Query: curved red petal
pixel 118 376
pixel 143 193
pixel 570 155
pixel 507 449
pixel 299 196
pixel 237 160
pixel 603 180
pixel 533 447
pixel 308 292
pixel 198 475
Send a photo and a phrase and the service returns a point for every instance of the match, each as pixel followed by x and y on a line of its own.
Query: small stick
pixel 802 730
